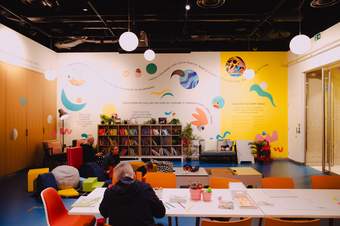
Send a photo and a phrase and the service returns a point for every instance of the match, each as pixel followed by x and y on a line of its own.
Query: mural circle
pixel 218 102
pixel 235 66
pixel 151 68
pixel 189 80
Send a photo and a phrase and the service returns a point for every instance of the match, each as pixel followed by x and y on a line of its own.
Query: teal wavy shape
pixel 167 94
pixel 262 93
pixel 69 104
pixel 219 137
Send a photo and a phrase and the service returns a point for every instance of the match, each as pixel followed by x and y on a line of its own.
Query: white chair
pixel 244 152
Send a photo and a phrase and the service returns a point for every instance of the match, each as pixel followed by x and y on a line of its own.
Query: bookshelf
pixel 142 141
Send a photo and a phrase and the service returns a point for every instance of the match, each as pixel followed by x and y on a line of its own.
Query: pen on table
pixel 181 205
pixel 170 204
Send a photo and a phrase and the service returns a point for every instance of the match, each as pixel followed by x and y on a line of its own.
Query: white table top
pixel 180 172
pixel 309 203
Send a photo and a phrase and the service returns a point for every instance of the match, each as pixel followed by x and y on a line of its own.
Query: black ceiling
pixel 74 26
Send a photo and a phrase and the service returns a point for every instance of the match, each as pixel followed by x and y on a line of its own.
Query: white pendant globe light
pixel 149 55
pixel 128 41
pixel 249 74
pixel 300 44
pixel 50 75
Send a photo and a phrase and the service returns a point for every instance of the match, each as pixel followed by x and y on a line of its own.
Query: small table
pixel 185 178
pixel 248 175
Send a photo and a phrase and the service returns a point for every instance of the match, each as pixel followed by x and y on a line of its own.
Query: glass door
pixel 323 119
pixel 314 119
pixel 332 151
pixel 327 121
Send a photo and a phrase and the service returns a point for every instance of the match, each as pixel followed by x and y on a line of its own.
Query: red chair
pixel 56 213
pixel 75 157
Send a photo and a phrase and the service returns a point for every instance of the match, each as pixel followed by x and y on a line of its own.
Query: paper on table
pixel 237 186
pixel 243 199
pixel 86 202
pixel 177 199
pixel 159 192
pixel 279 194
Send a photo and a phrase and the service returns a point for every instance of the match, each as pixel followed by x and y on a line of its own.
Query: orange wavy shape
pixel 201 118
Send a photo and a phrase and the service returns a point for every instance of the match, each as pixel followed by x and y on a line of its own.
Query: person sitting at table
pixel 130 202
pixel 111 159
pixel 89 153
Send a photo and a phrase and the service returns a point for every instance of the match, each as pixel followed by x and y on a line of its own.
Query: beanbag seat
pixel 66 176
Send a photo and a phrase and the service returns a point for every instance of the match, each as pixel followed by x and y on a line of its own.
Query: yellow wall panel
pixel 255 106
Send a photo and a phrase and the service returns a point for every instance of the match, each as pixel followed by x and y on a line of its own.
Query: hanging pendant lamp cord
pixel 129 15
pixel 300 14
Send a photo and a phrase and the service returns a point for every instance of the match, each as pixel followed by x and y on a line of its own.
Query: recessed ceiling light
pixel 85 10
pixel 187 7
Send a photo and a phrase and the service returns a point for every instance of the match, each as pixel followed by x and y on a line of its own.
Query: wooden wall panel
pixel 2 120
pixel 16 99
pixel 35 94
pixel 50 108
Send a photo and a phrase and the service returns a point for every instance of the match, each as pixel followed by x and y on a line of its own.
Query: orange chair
pixel 325 182
pixel 56 213
pixel 158 179
pixel 161 180
pixel 280 222
pixel 221 182
pixel 139 176
pixel 277 182
pixel 243 222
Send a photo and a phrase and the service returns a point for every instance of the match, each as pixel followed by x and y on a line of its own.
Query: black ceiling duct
pixel 42 3
pixel 210 3
pixel 323 3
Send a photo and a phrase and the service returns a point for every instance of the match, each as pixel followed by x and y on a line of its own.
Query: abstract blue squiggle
pixel 262 93
pixel 219 137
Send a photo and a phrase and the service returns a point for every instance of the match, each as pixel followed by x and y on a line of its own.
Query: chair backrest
pixel 158 179
pixel 221 182
pixel 243 222
pixel 280 222
pixel 53 145
pixel 277 182
pixel 325 182
pixel 53 205
pixel 75 156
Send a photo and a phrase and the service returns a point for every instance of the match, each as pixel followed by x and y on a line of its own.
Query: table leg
pixel 176 221
pixel 197 221
pixel 331 222
pixel 169 221
pixel 260 221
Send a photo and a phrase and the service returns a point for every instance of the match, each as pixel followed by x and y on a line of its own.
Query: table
pixel 191 208
pixel 184 178
pixel 299 203
pixel 306 203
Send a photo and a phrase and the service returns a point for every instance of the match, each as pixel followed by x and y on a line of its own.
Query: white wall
pixel 324 51
pixel 21 51
pixel 109 81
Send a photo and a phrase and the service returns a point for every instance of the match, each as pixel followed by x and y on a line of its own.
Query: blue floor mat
pixel 19 208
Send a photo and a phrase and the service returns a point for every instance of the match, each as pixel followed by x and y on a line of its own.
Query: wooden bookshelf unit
pixel 142 141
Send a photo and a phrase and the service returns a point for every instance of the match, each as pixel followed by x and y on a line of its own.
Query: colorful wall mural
pixel 254 88
pixel 215 92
